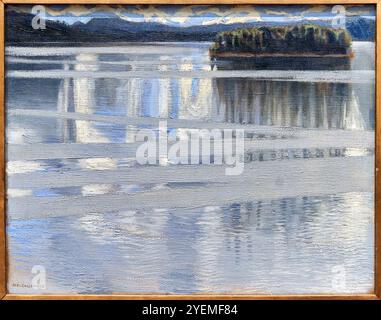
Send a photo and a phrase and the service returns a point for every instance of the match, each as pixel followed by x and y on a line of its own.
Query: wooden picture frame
pixel 3 248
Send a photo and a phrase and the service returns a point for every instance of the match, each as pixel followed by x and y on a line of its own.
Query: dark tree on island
pixel 298 40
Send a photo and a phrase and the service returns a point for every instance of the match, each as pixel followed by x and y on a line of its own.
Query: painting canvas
pixel 189 149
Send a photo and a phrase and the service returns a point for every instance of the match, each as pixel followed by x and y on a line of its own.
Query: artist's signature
pixel 21 285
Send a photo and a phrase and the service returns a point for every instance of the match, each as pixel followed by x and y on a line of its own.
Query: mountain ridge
pixel 20 31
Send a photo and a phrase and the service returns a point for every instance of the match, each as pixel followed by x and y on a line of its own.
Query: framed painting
pixel 190 149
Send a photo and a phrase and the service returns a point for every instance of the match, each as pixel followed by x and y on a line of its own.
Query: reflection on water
pixel 295 104
pixel 259 247
pixel 305 104
pixel 286 104
pixel 270 244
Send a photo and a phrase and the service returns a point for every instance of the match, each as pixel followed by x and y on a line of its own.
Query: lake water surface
pixel 299 219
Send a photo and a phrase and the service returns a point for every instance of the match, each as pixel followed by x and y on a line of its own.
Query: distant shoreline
pixel 103 44
pixel 113 43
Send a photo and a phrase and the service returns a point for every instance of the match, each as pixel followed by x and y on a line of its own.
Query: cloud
pixel 317 9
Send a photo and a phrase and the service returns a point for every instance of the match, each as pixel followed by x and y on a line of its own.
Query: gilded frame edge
pixel 376 295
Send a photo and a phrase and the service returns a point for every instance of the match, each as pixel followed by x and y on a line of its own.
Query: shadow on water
pixel 282 63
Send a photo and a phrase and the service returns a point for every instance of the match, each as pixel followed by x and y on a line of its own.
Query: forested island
pixel 299 40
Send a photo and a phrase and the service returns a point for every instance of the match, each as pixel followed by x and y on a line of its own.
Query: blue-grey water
pixel 298 220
